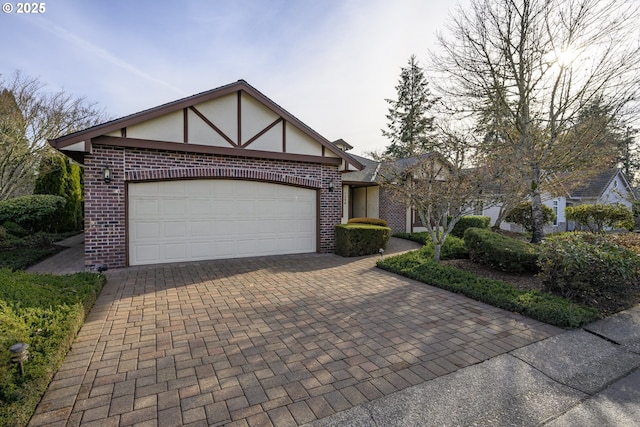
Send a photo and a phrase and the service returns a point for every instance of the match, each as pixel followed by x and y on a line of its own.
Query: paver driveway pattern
pixel 266 341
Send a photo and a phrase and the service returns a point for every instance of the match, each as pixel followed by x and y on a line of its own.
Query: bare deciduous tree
pixel 542 62
pixel 29 115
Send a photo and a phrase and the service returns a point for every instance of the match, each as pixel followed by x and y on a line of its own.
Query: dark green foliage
pixel 360 239
pixel 14 229
pixel 420 237
pixel 44 311
pixel 535 304
pixel 372 221
pixel 33 213
pixel 598 217
pixel 409 127
pixel 588 267
pixel 500 252
pixel 470 221
pixel 521 215
pixel 453 247
pixel 59 177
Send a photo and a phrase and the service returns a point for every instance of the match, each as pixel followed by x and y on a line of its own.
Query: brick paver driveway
pixel 267 341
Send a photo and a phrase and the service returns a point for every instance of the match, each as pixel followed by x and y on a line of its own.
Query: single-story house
pixel 222 174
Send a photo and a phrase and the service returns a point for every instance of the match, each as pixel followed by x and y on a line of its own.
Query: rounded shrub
pixel 500 252
pixel 452 248
pixel 41 212
pixel 596 218
pixel 470 221
pixel 522 215
pixel 372 221
pixel 587 267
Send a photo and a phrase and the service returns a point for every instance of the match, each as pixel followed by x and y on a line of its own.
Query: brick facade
pixel 393 211
pixel 106 204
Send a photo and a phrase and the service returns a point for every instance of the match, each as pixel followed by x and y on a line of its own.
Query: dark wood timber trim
pixel 185 125
pixel 208 149
pixel 212 126
pixel 262 132
pixel 239 118
pixel 284 136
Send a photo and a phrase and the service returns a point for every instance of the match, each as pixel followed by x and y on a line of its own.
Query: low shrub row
pixel 46 312
pixel 535 304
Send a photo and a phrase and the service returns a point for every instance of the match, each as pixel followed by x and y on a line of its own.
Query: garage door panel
pixel 212 219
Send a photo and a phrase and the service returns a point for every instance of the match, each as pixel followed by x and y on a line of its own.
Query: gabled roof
pixel 366 176
pixel 595 185
pixel 82 140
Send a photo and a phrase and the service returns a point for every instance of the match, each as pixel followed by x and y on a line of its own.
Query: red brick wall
pixel 393 211
pixel 105 204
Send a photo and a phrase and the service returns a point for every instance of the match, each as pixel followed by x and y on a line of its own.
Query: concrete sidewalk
pixel 586 377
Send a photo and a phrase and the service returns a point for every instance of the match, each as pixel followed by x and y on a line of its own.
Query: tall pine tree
pixel 409 126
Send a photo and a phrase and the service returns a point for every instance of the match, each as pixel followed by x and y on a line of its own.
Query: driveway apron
pixel 280 341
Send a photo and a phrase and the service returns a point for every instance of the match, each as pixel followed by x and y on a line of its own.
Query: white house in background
pixel 608 187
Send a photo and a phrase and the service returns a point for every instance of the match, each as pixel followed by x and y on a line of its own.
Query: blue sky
pixel 331 63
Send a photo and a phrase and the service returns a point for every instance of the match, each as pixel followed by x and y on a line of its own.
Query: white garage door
pixel 194 220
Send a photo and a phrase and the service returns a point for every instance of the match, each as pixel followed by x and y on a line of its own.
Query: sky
pixel 330 63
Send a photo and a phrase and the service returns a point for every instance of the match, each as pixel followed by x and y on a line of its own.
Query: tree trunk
pixel 436 252
pixel 537 218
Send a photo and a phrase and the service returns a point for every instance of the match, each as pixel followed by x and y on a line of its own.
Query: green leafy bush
pixel 371 221
pixel 521 215
pixel 470 221
pixel 598 217
pixel 14 229
pixel 360 239
pixel 500 252
pixel 586 267
pixel 34 213
pixel 453 248
pixel 44 311
pixel 535 304
pixel 422 237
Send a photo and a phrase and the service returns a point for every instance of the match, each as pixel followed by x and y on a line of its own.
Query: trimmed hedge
pixel 371 221
pixel 360 239
pixel 39 212
pixel 587 267
pixel 501 252
pixel 470 221
pixel 538 305
pixel 46 312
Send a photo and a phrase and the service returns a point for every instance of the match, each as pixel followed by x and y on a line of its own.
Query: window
pixel 555 211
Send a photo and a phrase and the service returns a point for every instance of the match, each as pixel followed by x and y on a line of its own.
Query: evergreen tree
pixel 409 128
pixel 59 177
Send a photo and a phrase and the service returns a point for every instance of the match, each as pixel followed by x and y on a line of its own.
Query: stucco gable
pixel 235 119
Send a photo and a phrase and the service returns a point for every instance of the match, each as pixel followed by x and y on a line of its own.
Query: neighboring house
pixel 222 174
pixel 607 187
pixel 363 197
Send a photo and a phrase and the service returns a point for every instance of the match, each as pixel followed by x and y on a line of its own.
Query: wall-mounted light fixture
pixel 106 174
pixel 331 185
